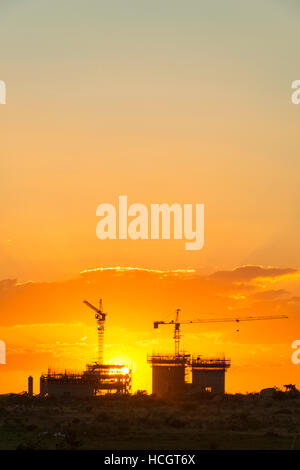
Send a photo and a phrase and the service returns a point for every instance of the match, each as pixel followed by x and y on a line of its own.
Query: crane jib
pixel 178 323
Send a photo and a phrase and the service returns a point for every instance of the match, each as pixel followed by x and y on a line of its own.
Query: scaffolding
pixel 209 363
pixel 110 377
pixel 172 359
pixel 96 379
pixel 170 374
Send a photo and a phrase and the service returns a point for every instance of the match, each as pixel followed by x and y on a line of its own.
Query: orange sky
pixel 164 104
pixel 46 324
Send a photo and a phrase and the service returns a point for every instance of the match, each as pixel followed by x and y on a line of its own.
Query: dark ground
pixel 144 422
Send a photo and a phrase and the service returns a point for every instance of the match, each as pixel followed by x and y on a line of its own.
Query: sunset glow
pixel 167 104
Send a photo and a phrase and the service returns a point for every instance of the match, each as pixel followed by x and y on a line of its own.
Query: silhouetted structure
pixel 30 386
pixel 208 375
pixel 97 378
pixel 169 374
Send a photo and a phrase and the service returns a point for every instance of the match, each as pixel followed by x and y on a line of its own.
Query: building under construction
pixel 178 374
pixel 171 374
pixel 208 374
pixel 98 378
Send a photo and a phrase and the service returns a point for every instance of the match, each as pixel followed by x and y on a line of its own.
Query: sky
pixel 47 325
pixel 163 102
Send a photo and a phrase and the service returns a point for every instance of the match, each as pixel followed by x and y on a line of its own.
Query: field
pixel 144 422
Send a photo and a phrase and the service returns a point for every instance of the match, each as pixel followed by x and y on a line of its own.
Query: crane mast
pixel 177 324
pixel 100 316
pixel 177 334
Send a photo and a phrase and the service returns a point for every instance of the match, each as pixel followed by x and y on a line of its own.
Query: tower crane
pixel 100 317
pixel 177 324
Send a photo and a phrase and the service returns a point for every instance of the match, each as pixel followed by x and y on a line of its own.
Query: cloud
pixel 46 323
pixel 248 273
pixel 135 297
pixel 269 294
pixel 126 269
pixel 7 285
